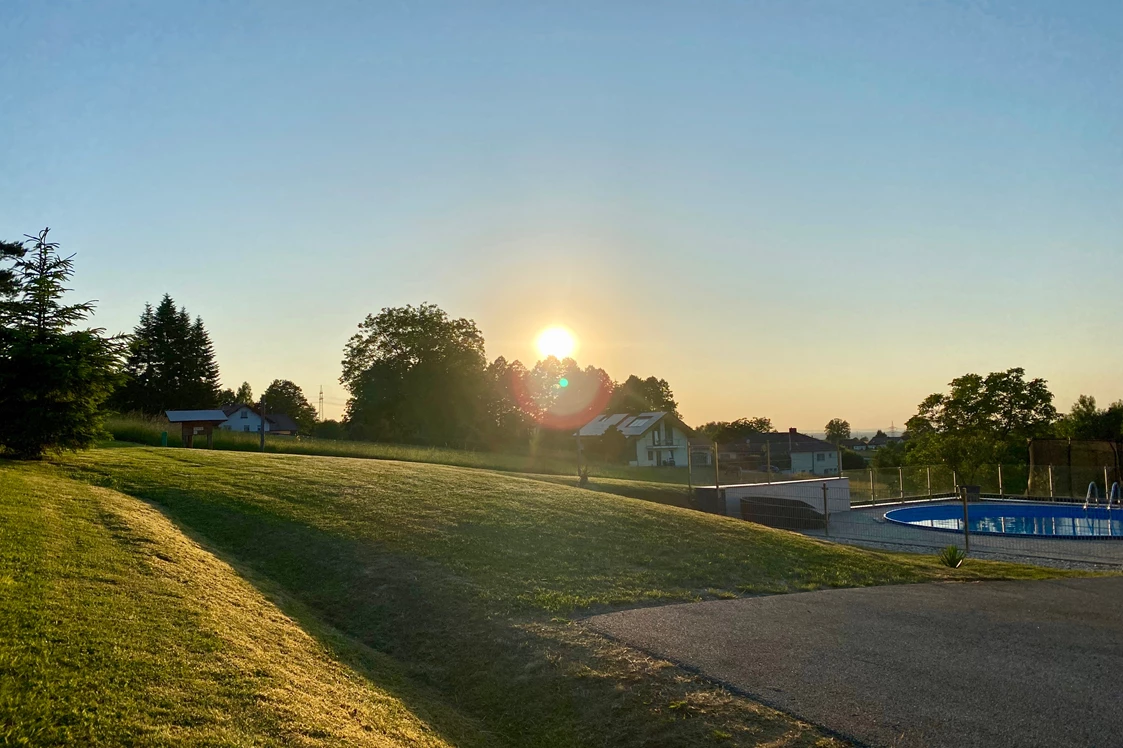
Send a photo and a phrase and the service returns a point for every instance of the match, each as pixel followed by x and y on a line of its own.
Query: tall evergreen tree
pixel 54 380
pixel 170 364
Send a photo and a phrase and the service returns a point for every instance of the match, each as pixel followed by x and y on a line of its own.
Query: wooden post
pixel 209 430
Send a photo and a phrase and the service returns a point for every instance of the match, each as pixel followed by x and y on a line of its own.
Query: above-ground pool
pixel 1010 518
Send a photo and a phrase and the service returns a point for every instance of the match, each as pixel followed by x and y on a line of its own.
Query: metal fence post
pixel 768 459
pixel 1050 481
pixel 873 490
pixel 929 470
pixel 1000 491
pixel 1107 488
pixel 826 513
pixel 966 530
pixel 901 480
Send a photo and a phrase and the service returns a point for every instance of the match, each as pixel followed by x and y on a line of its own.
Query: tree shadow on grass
pixel 475 670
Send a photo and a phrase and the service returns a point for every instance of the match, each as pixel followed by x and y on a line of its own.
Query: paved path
pixel 980 664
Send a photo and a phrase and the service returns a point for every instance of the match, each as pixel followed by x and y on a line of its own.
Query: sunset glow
pixel 556 341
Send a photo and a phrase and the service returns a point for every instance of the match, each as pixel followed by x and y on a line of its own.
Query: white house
pixel 242 417
pixel 660 439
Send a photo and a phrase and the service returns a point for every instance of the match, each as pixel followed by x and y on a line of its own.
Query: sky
pixel 800 210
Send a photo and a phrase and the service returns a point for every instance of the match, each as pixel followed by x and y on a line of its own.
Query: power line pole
pixel 321 416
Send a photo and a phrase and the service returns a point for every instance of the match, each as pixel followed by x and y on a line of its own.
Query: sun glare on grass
pixel 556 341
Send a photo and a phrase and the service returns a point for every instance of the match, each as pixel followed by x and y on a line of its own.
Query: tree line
pixel 986 420
pixel 416 375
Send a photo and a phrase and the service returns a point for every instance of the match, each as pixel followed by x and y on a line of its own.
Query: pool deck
pixel 963 664
pixel 866 526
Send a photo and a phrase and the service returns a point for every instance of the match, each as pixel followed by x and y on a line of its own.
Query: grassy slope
pixel 119 630
pixel 466 577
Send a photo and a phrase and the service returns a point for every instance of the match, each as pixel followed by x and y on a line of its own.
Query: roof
pixel 185 416
pixel 282 422
pixel 790 441
pixel 628 425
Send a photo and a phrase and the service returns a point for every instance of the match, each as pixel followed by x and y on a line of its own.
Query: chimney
pixel 791 431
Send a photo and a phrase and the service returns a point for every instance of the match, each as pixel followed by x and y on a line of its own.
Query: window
pixel 245 413
pixel 650 454
pixel 819 457
pixel 245 428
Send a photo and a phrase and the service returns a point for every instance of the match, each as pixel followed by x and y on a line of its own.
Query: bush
pixel 952 556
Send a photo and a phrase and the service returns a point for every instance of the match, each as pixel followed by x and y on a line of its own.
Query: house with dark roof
pixel 244 417
pixel 659 439
pixel 789 451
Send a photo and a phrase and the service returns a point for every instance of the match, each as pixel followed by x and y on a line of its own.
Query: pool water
pixel 1009 518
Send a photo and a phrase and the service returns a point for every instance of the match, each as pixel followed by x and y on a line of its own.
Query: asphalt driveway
pixel 979 664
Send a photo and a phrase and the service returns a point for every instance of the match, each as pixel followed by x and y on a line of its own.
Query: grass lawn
pixel 118 630
pixel 451 591
pixel 552 462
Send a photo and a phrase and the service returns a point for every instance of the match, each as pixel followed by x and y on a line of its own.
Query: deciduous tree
pixel 837 430
pixel 981 421
pixel 415 375
pixel 283 396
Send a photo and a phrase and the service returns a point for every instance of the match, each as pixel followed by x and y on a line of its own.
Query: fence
pixel 874 486
pixel 843 509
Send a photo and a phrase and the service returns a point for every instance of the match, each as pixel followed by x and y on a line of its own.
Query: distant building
pixel 243 417
pixel 789 451
pixel 660 439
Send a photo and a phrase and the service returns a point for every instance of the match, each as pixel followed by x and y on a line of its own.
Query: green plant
pixel 952 556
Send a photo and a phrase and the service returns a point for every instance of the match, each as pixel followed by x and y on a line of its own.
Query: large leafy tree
pixel 637 395
pixel 981 420
pixel 170 363
pixel 415 375
pixel 1087 421
pixel 735 431
pixel 837 430
pixel 506 419
pixel 283 396
pixel 54 380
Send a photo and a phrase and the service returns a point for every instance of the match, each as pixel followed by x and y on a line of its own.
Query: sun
pixel 556 341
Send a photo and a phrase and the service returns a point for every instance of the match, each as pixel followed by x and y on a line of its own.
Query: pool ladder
pixel 1092 497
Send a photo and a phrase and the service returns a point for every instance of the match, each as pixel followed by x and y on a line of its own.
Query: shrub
pixel 952 556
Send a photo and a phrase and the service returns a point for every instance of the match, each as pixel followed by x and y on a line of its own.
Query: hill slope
pixel 465 579
pixel 120 630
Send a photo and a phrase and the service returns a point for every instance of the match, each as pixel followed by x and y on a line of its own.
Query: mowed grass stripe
pixel 119 630
pixel 467 579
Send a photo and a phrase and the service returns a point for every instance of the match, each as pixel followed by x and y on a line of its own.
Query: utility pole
pixel 262 423
pixel 320 417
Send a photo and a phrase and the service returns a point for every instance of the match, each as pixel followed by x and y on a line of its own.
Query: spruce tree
pixel 170 364
pixel 54 380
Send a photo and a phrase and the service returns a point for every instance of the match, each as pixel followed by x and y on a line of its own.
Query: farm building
pixel 659 439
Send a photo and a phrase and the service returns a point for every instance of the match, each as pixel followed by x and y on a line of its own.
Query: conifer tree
pixel 171 362
pixel 54 380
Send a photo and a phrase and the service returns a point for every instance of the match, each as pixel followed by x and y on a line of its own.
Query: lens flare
pixel 556 341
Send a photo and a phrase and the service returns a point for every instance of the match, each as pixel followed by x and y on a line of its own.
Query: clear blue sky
pixel 799 210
